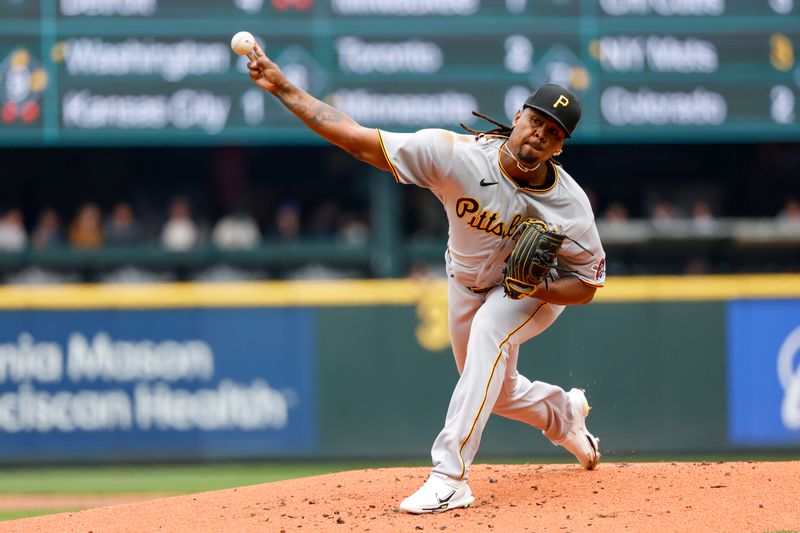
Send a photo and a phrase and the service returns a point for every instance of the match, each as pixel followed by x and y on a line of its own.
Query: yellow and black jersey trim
pixel 534 190
pixel 388 159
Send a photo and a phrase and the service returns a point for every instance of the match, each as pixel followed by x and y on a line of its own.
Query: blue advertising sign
pixel 764 372
pixel 166 384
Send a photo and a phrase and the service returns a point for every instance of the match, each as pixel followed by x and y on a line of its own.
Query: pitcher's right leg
pixel 497 328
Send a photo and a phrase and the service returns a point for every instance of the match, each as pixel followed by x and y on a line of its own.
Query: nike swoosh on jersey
pixel 485 183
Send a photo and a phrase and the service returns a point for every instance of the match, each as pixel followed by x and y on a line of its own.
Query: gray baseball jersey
pixel 485 206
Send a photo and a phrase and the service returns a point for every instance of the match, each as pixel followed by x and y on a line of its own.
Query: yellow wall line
pixel 683 288
pixel 369 292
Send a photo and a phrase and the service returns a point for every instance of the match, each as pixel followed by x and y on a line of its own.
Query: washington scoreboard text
pixel 97 72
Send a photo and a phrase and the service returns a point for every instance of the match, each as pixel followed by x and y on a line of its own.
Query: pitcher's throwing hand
pixel 264 72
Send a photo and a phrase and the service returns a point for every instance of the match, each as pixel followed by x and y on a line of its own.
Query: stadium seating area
pixel 258 213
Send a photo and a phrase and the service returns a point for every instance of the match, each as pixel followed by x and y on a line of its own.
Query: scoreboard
pixel 146 72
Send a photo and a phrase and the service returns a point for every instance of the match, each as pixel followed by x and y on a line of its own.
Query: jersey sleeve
pixel 421 158
pixel 587 265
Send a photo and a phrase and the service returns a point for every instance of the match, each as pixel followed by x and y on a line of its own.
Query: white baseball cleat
pixel 583 445
pixel 438 494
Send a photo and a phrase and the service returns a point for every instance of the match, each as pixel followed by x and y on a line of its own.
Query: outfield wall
pixel 363 369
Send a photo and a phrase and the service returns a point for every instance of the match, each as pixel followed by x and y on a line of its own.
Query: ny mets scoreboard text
pixel 99 72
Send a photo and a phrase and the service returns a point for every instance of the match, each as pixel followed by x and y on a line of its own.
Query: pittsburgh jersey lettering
pixel 485 221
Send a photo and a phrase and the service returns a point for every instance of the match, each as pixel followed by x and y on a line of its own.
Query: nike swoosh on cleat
pixel 443 503
pixel 447 499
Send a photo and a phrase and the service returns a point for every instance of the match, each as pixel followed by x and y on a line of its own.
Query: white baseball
pixel 243 43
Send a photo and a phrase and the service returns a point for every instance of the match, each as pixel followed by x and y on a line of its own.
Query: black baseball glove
pixel 532 258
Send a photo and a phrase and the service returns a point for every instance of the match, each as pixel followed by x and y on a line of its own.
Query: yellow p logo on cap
pixel 562 101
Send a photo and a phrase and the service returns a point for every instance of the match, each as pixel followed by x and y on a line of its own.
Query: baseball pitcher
pixel 522 246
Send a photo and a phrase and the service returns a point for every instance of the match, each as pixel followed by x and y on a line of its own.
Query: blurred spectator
pixel 616 212
pixel 703 219
pixel 122 226
pixel 325 220
pixel 180 231
pixel 790 213
pixel 47 233
pixel 615 226
pixel 12 231
pixel 788 219
pixel 287 220
pixel 353 231
pixel 696 266
pixel 85 230
pixel 236 231
pixel 663 215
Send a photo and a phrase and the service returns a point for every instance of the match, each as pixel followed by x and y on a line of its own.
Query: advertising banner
pixel 157 384
pixel 764 372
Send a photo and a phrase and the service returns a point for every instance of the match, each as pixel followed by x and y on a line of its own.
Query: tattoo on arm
pixel 301 105
pixel 326 114
pixel 292 100
pixel 325 120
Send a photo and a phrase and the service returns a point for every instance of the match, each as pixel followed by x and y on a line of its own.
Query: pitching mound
pixel 718 497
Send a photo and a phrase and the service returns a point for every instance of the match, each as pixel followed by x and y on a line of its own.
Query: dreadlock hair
pixel 502 130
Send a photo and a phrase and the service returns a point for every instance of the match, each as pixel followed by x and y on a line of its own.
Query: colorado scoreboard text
pixel 97 72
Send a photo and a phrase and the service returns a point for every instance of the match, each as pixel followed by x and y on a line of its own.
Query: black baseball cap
pixel 558 103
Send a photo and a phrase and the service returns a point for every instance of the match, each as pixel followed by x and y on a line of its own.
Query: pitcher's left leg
pixel 544 406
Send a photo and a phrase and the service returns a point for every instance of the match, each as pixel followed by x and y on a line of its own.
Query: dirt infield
pixel 695 497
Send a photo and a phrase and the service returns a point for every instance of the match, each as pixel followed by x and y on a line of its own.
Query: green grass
pixel 27 513
pixel 170 479
pixel 182 479
pixel 176 479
